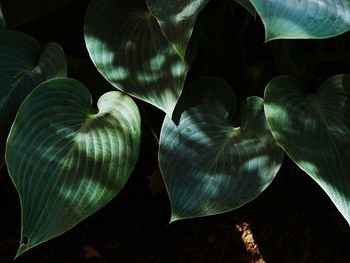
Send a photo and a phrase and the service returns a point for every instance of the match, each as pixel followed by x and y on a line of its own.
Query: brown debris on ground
pixel 249 242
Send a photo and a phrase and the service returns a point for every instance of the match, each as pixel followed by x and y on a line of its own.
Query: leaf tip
pixel 23 247
pixel 175 217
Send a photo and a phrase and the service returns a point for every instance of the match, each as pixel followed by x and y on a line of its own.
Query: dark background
pixel 292 221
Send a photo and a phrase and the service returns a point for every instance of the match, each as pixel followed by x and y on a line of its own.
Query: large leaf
pixel 314 130
pixel 209 166
pixel 128 47
pixel 19 12
pixel 303 18
pixel 176 19
pixel 23 65
pixel 67 161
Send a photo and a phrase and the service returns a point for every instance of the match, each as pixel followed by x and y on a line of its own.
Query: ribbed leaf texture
pixel 209 166
pixel 128 47
pixel 314 130
pixel 176 19
pixel 23 65
pixel 303 18
pixel 67 161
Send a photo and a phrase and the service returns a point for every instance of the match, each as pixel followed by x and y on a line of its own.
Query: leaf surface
pixel 67 161
pixel 23 65
pixel 314 130
pixel 211 167
pixel 177 19
pixel 128 47
pixel 303 18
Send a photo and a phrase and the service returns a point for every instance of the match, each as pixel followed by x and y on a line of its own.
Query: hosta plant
pixel 68 155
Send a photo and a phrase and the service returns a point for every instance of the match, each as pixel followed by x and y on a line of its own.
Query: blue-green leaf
pixel 128 47
pixel 23 65
pixel 314 130
pixel 66 160
pixel 209 166
pixel 303 18
pixel 176 19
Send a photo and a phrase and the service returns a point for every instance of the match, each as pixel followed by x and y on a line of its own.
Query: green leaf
pixel 67 161
pixel 314 130
pixel 248 5
pixel 20 12
pixel 176 19
pixel 303 18
pixel 127 46
pixel 23 65
pixel 211 167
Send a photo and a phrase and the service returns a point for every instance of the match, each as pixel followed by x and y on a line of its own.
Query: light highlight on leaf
pixel 314 130
pixel 127 46
pixel 303 18
pixel 176 19
pixel 211 167
pixel 66 161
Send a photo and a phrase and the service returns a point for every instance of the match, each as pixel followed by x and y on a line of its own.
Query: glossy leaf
pixel 128 47
pixel 303 18
pixel 211 167
pixel 314 130
pixel 20 12
pixel 23 65
pixel 66 160
pixel 176 19
pixel 248 5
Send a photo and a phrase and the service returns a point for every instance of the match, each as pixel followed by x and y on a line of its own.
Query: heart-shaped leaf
pixel 128 47
pixel 23 65
pixel 314 130
pixel 176 19
pixel 67 161
pixel 19 12
pixel 303 18
pixel 209 166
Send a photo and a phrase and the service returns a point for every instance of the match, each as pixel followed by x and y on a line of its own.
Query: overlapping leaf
pixel 128 47
pixel 67 161
pixel 314 130
pixel 176 19
pixel 303 18
pixel 210 166
pixel 23 65
pixel 19 12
